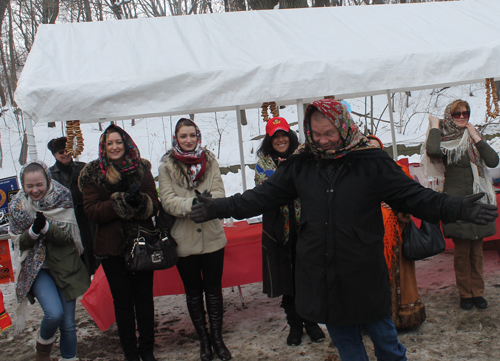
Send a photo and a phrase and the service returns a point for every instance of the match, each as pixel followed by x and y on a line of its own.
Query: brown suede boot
pixel 43 348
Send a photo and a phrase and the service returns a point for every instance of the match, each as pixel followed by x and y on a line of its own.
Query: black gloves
pixel 38 223
pixel 204 209
pixel 133 196
pixel 205 193
pixel 478 213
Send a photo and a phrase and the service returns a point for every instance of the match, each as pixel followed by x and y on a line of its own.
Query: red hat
pixel 275 124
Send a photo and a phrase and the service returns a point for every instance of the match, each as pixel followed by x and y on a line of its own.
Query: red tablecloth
pixel 242 265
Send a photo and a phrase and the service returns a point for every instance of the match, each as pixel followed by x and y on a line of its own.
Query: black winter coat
pixel 87 227
pixel 341 274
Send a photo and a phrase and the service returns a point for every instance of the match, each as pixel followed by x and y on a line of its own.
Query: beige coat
pixel 177 194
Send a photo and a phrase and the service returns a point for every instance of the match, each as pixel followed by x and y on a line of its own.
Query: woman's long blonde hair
pixel 112 175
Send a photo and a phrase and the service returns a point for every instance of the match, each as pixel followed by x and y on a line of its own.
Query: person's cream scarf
pixel 455 142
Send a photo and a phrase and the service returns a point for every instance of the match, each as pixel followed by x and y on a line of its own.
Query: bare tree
pixel 50 11
pixel 4 4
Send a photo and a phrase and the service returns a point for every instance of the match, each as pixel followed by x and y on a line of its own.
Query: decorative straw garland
pixel 73 131
pixel 491 90
pixel 272 107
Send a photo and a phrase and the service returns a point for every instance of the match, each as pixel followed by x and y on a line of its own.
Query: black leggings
pixel 202 270
pixel 133 300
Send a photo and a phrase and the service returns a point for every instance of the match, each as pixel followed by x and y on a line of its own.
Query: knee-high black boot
pixel 215 311
pixel 196 308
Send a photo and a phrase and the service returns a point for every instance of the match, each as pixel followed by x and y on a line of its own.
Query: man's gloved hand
pixel 133 196
pixel 39 223
pixel 203 210
pixel 476 212
pixel 205 193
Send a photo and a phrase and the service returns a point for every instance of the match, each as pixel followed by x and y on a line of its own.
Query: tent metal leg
pixel 242 153
pixel 300 118
pixel 393 134
pixel 241 297
pixel 28 126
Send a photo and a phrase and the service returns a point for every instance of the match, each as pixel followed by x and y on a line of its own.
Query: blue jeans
pixel 59 313
pixel 349 342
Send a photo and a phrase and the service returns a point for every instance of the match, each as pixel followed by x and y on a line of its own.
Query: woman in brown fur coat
pixel 119 191
pixel 185 169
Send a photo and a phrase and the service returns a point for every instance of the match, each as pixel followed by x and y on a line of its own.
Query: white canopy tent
pixel 112 70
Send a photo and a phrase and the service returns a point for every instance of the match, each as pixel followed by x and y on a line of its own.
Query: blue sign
pixel 8 189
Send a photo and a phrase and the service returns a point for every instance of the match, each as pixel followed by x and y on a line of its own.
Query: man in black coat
pixel 66 171
pixel 341 274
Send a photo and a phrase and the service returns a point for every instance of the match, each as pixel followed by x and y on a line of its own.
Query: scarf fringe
pixel 21 312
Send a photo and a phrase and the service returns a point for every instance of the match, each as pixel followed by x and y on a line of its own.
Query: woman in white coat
pixel 187 168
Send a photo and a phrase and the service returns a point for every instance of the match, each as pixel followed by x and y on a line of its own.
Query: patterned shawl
pixel 132 155
pixel 455 142
pixel 263 170
pixel 57 207
pixel 350 137
pixel 195 159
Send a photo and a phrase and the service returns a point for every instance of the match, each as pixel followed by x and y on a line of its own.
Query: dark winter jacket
pixel 69 179
pixel 63 260
pixel 341 274
pixel 459 181
pixel 105 204
pixel 278 256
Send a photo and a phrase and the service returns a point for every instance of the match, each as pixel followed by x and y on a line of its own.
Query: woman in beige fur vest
pixel 185 169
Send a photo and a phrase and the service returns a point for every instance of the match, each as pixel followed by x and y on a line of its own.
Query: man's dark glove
pixel 39 223
pixel 205 193
pixel 204 210
pixel 133 196
pixel 476 212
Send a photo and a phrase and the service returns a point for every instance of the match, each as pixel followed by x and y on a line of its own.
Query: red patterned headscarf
pixel 350 136
pixel 132 155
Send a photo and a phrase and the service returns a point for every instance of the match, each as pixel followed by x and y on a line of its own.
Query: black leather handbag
pixel 422 243
pixel 154 249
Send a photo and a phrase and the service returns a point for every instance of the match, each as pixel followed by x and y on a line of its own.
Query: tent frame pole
pixel 242 154
pixel 393 133
pixel 300 120
pixel 30 135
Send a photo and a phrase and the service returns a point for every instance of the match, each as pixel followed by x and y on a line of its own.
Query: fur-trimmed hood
pixel 92 174
pixel 178 170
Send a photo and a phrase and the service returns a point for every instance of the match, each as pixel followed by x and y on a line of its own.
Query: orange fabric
pixel 391 236
pixel 392 230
